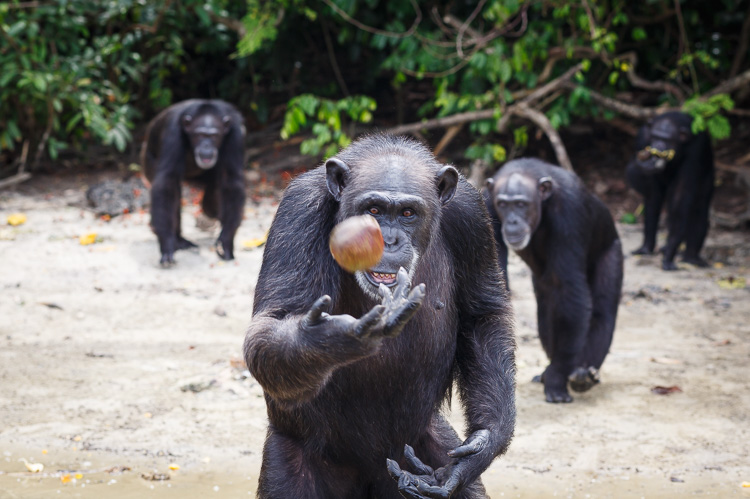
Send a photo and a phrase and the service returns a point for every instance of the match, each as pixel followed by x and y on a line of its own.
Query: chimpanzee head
pixel 664 138
pixel 400 183
pixel 518 198
pixel 206 132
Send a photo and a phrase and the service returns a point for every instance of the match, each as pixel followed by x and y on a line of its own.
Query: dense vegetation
pixel 79 72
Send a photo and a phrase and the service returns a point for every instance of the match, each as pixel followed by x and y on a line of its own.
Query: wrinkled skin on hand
pixel 382 321
pixel 426 483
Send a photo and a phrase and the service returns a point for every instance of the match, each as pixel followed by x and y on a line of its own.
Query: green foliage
pixel 707 115
pixel 329 135
pixel 489 153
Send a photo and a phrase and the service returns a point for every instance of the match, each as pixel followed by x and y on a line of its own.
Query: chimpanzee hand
pixel 384 320
pixel 225 249
pixel 470 459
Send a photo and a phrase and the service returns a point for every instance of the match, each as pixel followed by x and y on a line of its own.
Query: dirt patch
pixel 112 369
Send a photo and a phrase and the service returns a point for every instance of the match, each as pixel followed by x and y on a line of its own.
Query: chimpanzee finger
pixel 403 284
pixel 316 311
pixel 401 316
pixel 367 322
pixel 475 443
pixel 416 464
pixel 433 492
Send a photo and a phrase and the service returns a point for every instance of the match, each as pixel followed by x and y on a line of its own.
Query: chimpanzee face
pixel 664 139
pixel 517 199
pixel 405 200
pixel 206 132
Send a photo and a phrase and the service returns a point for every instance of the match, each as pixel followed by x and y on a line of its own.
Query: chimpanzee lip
pixel 377 278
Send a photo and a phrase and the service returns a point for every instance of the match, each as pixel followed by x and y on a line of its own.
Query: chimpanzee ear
pixel 447 180
pixel 337 176
pixel 227 122
pixel 545 187
pixel 489 183
pixel 186 120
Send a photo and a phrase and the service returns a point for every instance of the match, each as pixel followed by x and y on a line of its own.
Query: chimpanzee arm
pixel 232 187
pixel 165 190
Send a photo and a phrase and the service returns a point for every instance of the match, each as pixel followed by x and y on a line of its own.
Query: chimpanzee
pixel 200 141
pixel 675 166
pixel 355 367
pixel 568 239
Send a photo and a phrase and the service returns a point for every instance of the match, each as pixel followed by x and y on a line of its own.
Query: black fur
pixel 338 407
pixel 685 185
pixel 576 262
pixel 168 158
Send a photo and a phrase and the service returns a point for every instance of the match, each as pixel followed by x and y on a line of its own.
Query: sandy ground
pixel 112 369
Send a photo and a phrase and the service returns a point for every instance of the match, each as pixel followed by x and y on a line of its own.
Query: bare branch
pixel 375 31
pixel 332 57
pixel 450 134
pixel 14 179
pixel 730 85
pixel 739 56
pixel 465 26
pixel 638 112
pixel 540 120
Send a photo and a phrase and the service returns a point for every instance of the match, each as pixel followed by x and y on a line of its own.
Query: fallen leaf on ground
pixel 87 239
pixel 722 343
pixel 32 467
pixel 745 485
pixel 665 390
pixel 174 467
pixel 65 478
pixel 732 282
pixel 254 243
pixel 16 219
pixel 155 477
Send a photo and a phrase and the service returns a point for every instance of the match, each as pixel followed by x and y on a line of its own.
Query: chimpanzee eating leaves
pixel 355 367
pixel 675 166
pixel 200 141
pixel 568 239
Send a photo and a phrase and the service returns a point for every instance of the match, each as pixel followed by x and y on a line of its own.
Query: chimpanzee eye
pixel 374 210
pixel 408 213
pixel 502 204
pixel 520 204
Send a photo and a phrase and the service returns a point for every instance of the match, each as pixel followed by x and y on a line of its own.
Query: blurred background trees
pixel 78 76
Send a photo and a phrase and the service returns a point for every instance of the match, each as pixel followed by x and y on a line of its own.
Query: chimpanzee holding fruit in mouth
pixel 356 366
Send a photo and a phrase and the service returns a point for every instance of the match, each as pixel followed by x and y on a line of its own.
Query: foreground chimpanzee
pixel 200 141
pixel 355 368
pixel 568 239
pixel 675 166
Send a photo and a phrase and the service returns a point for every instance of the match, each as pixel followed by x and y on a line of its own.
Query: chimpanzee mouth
pixel 517 243
pixel 378 278
pixel 205 163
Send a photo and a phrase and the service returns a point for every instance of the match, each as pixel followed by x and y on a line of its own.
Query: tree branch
pixel 739 56
pixel 730 85
pixel 376 31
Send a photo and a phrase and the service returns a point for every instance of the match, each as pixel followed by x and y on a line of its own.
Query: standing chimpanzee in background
pixel 200 141
pixel 675 166
pixel 355 368
pixel 568 239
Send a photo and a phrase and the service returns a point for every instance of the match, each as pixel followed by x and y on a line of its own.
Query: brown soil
pixel 112 368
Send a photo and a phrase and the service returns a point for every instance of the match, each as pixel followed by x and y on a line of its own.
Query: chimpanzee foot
pixel 643 250
pixel 695 260
pixel 668 265
pixel 183 243
pixel 167 260
pixel 225 252
pixel 557 395
pixel 582 379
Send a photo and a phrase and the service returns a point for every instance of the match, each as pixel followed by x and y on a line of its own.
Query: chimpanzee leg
pixel 210 203
pixel 605 294
pixel 651 212
pixel 165 215
pixel 182 243
pixel 232 207
pixel 677 224
pixel 653 198
pixel 698 229
pixel 287 471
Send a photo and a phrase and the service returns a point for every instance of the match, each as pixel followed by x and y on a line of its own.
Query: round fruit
pixel 357 243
